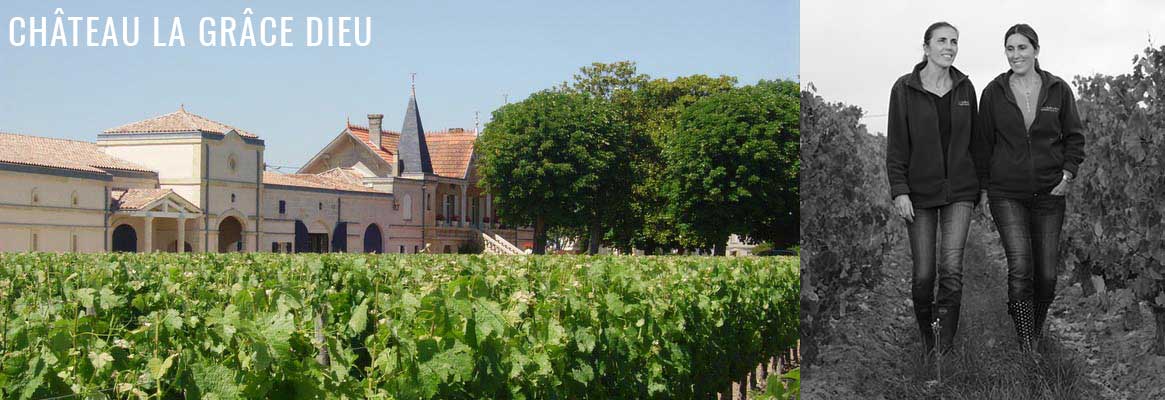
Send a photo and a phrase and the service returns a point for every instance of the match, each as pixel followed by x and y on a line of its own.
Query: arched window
pixel 408 207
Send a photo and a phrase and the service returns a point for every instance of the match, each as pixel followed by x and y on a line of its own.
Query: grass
pixel 999 372
pixel 986 362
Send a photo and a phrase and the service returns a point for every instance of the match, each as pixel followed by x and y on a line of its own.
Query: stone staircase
pixel 493 243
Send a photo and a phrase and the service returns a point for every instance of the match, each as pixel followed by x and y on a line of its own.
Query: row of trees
pixel 627 161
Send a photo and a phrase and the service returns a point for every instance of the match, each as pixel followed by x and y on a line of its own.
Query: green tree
pixel 617 220
pixel 649 108
pixel 550 161
pixel 731 166
pixel 658 105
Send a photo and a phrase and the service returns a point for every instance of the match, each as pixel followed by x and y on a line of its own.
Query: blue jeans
pixel 1030 231
pixel 954 219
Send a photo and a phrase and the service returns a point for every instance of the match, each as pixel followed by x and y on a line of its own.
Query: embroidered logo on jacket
pixel 1053 109
pixel 964 103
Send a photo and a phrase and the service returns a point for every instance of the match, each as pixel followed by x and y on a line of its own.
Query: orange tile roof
pixel 178 121
pixel 388 141
pixel 135 199
pixel 60 153
pixel 450 152
pixel 314 181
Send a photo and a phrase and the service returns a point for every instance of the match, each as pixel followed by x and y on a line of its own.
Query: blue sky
pixel 466 56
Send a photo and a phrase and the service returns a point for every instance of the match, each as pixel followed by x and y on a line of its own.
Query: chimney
pixel 374 128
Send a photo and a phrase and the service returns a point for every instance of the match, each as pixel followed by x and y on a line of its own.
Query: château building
pixel 181 182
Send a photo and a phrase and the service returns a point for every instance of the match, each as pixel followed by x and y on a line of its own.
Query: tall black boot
pixel 924 314
pixel 1041 315
pixel 948 324
pixel 1022 314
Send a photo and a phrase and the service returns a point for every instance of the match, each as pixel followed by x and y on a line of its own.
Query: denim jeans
pixel 952 220
pixel 1030 231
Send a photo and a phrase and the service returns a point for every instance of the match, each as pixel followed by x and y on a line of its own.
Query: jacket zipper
pixel 1028 132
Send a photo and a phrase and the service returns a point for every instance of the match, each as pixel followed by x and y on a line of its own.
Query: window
pixel 416 249
pixel 274 247
pixel 233 164
pixel 402 249
pixel 428 202
pixel 73 198
pixel 408 209
pixel 73 243
pixel 35 245
pixel 35 196
pixel 321 205
pixel 282 207
pixel 232 197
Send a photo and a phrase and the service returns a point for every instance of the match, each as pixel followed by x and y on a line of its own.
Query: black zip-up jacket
pixel 1017 162
pixel 914 153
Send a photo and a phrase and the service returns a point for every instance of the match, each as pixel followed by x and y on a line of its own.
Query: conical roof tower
pixel 413 152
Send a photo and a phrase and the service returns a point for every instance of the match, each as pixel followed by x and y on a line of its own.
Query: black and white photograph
pixel 983 196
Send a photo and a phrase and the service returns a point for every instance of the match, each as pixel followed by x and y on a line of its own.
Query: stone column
pixel 148 243
pixel 181 234
pixel 463 214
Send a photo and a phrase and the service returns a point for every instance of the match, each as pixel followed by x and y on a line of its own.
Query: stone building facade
pixel 181 182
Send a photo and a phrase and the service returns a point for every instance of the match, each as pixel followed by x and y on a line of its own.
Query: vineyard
pixel 845 210
pixel 1116 226
pixel 354 326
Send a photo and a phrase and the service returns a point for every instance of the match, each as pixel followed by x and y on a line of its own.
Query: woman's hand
pixel 905 207
pixel 1061 189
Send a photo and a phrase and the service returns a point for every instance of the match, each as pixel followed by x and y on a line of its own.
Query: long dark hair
pixel 1027 32
pixel 930 32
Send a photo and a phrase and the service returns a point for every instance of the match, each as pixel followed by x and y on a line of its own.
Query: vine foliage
pixel 845 210
pixel 1116 219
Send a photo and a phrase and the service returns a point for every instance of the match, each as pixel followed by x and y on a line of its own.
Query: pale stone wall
pixel 173 159
pixel 321 210
pixel 232 190
pixel 347 153
pixel 57 223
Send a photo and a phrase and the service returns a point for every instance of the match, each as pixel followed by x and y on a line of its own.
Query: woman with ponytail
pixel 932 178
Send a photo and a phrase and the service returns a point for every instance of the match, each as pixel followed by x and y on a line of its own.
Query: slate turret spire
pixel 413 151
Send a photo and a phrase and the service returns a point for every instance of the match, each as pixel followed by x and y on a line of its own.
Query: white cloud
pixel 853 51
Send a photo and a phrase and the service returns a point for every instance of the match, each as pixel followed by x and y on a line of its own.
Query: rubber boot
pixel 948 324
pixel 1023 315
pixel 924 314
pixel 1040 317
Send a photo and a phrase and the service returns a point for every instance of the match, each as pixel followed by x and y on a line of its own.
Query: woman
pixel 1029 146
pixel 932 176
